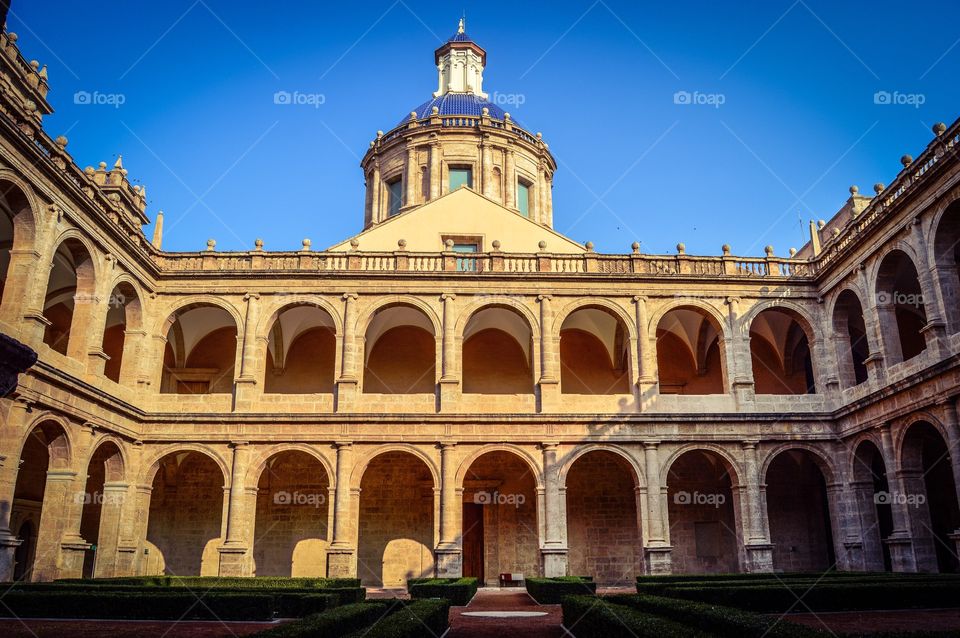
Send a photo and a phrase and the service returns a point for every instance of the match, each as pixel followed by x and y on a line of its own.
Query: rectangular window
pixel 462 176
pixel 394 197
pixel 523 198
pixel 466 263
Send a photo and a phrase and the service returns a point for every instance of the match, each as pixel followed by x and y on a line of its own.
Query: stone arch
pixel 364 319
pixel 117 471
pixel 900 304
pixel 360 467
pixel 280 304
pixel 63 442
pixel 312 326
pixel 124 312
pixel 18 219
pixel 831 473
pixel 869 478
pixel 70 287
pixel 500 357
pixel 595 357
pixel 167 316
pixel 899 431
pixel 202 361
pixel 152 464
pixel 493 301
pixel 850 338
pixel 525 456
pixel 582 450
pixel 401 348
pixel 719 450
pixel 774 348
pixel 27 218
pixel 259 463
pixel 104 489
pixel 582 303
pixel 691 350
pixel 709 309
pixel 944 253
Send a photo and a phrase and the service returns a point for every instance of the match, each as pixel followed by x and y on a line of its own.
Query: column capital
pixel 345 445
pixel 549 446
pixel 749 444
pixel 251 295
pixel 544 297
pixel 446 445
pixel 448 296
pixel 349 295
pixel 235 445
pixel 651 445
pixel 640 298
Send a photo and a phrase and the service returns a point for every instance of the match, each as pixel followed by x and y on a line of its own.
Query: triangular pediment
pixel 462 214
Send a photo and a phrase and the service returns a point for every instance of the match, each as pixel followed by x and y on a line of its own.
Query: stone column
pixel 341 552
pixel 450 378
pixel 449 552
pixel 19 288
pixel 410 179
pixel 656 547
pixel 134 346
pixel 246 381
pixel 510 180
pixel 9 468
pixel 876 370
pixel 542 194
pixel 862 495
pixel 376 214
pixel 549 358
pixel 235 551
pixel 436 168
pixel 553 550
pixel 349 380
pixel 646 356
pixel 82 344
pixel 900 541
pixel 486 166
pixel 548 198
pixel 758 551
pixel 738 360
pixel 60 513
pixel 108 539
pixel 935 330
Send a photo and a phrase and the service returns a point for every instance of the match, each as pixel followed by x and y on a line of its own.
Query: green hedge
pixel 550 591
pixel 592 617
pixel 724 622
pixel 415 619
pixel 333 623
pixel 126 605
pixel 459 591
pixel 776 598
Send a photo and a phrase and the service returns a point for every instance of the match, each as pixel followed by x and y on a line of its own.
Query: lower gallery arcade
pixel 386 512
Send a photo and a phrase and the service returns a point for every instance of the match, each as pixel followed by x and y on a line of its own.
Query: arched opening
pixel 901 308
pixel 594 353
pixel 799 513
pixel 850 335
pixel 46 448
pixel 291 535
pixel 603 531
pixel 703 514
pixel 497 352
pixel 184 525
pixel 400 352
pixel 930 497
pixel 123 314
pixel 200 352
pixel 14 209
pixel 396 521
pixel 946 255
pixel 24 554
pixel 500 533
pixel 106 465
pixel 780 353
pixel 690 353
pixel 301 352
pixel 872 492
pixel 71 283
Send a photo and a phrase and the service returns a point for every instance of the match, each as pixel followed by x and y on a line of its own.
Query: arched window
pixel 946 254
pixel 780 353
pixel 850 336
pixel 900 305
pixel 301 352
pixel 690 353
pixel 71 283
pixel 400 352
pixel 123 314
pixel 497 352
pixel 200 353
pixel 594 353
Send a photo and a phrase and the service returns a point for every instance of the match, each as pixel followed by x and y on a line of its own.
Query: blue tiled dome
pixel 460 37
pixel 457 104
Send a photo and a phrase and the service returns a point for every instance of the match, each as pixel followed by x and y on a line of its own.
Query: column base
pixel 449 394
pixel 8 548
pixel 245 392
pixel 549 395
pixel 346 399
pixel 553 561
pixel 126 561
pixel 449 563
pixel 854 558
pixel 340 563
pixel 647 392
pixel 758 558
pixel 901 553
pixel 657 560
pixel 72 555
pixel 233 561
pixel 744 393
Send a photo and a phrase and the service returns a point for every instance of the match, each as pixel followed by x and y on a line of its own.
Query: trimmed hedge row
pixel 459 591
pixel 333 623
pixel 724 622
pixel 775 598
pixel 415 619
pixel 126 605
pixel 592 617
pixel 550 591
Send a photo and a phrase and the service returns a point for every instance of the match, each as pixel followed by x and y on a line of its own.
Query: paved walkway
pixel 467 622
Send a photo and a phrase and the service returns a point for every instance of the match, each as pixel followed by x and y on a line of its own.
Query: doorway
pixel 473 541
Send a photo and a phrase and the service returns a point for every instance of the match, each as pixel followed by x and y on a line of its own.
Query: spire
pixel 460 62
pixel 119 163
pixel 462 28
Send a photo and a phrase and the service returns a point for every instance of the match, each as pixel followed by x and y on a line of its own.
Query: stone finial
pixel 635 247
pixel 89 171
pixel 496 244
pixel 725 249
pixel 542 245
pixel 34 65
pixel 379 134
pixel 906 160
pixel 30 106
pixel 61 141
pixel 820 224
pixel 258 244
pixel 793 252
pixel 13 37
pixel 589 246
pixel 402 244
pixel 373 143
pixel 878 188
pixel 539 135
pixel 43 72
pixel 681 249
pixel 768 250
pixel 413 115
pixel 354 243
pixel 102 166
pixel 306 244
pixel 854 190
pixel 435 110
pixel 939 129
pixel 506 117
pixel 485 112
pixel 449 244
pixel 211 244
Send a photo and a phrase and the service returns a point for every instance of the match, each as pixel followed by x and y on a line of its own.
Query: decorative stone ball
pixel 854 189
pixel 485 112
pixel 211 244
pixel 821 223
pixel 258 244
pixel 379 134
pixel 906 160
pixel 506 115
pixel 836 232
pixel 449 244
pixel 681 248
pixel 61 141
pixel 373 143
pixel 103 166
pixel 589 246
pixel 539 135
pixel 30 106
pixel 306 243
pixel 768 250
pixel 435 110
pixel 939 129
pixel 89 171
pixel 401 243
pixel 34 64
pixel 726 249
pixel 354 243
pixel 542 244
pixel 496 244
pixel 793 252
pixel 635 246
pixel 13 37
pixel 413 115
pixel 878 188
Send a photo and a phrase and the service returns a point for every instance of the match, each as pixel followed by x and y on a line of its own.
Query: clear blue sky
pixel 798 123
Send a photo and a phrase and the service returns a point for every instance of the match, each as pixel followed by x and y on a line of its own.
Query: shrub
pixel 592 617
pixel 128 605
pixel 333 623
pixel 415 619
pixel 297 605
pixel 459 591
pixel 550 591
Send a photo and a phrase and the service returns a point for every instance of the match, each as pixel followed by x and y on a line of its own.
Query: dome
pixel 467 104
